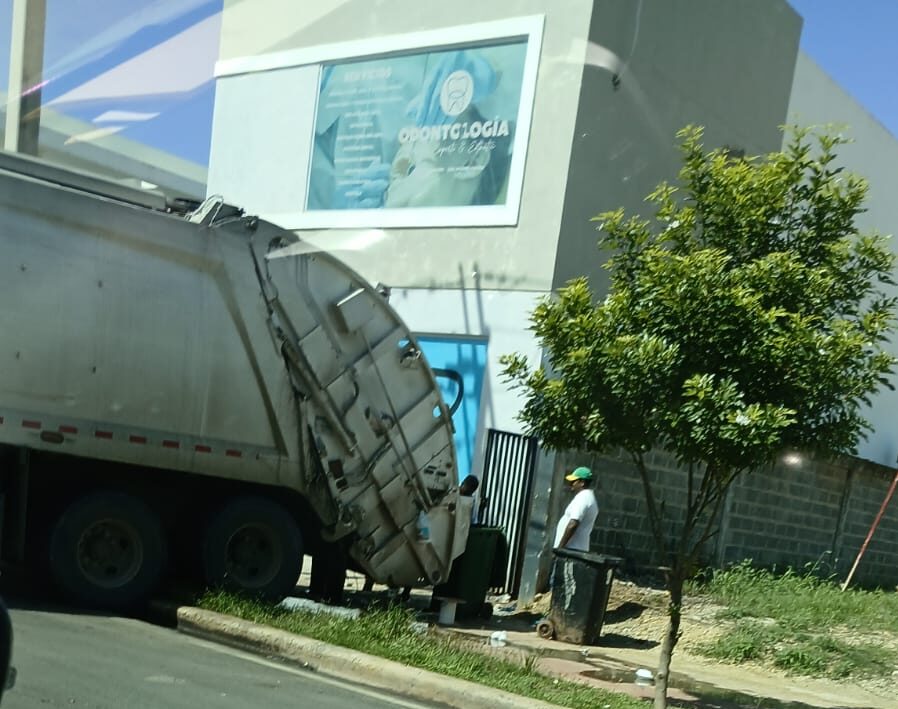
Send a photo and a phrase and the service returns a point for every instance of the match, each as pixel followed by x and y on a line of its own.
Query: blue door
pixel 467 356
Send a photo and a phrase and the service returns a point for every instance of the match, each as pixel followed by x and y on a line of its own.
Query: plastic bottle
pixel 423 526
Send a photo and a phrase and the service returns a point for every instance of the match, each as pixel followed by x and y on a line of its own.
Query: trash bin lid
pixel 589 557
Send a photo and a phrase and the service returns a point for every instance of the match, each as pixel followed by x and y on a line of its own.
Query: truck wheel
pixel 108 549
pixel 253 546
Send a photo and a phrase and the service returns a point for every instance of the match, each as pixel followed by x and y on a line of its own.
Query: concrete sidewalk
pixel 349 665
pixel 697 682
pixel 701 682
pixel 610 665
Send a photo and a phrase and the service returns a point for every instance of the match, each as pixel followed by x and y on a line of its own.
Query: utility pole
pixel 26 67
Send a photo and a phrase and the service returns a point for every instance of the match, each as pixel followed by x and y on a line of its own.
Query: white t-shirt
pixel 585 509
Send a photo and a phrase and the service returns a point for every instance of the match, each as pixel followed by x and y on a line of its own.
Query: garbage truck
pixel 185 386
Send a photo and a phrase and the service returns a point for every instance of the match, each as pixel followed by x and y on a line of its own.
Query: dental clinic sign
pixel 456 96
pixel 425 136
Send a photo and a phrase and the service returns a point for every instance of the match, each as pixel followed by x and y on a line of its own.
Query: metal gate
pixel 505 495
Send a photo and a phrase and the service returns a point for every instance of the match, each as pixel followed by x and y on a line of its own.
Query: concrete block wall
pixel 813 512
pixel 784 516
pixel 868 485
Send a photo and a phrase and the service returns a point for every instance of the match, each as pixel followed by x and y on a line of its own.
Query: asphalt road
pixel 97 662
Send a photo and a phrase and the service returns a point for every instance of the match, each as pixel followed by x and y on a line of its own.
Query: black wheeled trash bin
pixel 473 573
pixel 581 584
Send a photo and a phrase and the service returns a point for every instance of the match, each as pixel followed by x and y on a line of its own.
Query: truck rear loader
pixel 189 388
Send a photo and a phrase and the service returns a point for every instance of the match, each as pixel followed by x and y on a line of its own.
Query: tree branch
pixel 689 489
pixel 695 507
pixel 654 516
pixel 709 530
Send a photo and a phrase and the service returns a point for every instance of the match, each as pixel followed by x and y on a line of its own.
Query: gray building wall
pixel 727 66
pixel 521 257
pixel 873 154
pixel 653 68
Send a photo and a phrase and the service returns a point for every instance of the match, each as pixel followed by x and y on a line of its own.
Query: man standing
pixel 575 526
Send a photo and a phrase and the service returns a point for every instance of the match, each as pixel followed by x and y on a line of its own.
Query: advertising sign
pixel 422 129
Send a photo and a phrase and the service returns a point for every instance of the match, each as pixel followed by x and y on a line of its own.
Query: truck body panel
pixel 212 344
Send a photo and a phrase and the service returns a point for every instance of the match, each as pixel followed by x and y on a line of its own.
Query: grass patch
pixel 747 641
pixel 389 633
pixel 802 600
pixel 829 657
pixel 787 620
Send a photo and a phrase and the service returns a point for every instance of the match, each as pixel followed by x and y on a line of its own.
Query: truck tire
pixel 253 546
pixel 108 549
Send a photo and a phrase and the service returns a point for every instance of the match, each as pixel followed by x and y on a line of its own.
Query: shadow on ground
pixel 625 611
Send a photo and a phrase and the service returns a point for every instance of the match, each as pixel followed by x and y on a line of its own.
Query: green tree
pixel 747 317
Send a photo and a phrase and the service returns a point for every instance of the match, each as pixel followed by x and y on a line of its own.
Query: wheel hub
pixel 253 556
pixel 110 553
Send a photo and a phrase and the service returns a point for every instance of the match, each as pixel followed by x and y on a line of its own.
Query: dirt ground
pixel 636 620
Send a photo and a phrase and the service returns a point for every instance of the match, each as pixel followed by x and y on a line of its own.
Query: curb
pixel 349 665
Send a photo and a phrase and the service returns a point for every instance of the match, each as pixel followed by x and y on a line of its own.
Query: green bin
pixel 476 571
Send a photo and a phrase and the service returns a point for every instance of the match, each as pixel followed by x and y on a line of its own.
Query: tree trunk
pixel 675 607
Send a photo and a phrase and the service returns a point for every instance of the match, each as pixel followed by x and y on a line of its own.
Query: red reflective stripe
pixel 68 429
pixel 31 424
pixel 170 444
pixel 137 439
pixel 103 434
pixel 234 454
pixel 202 449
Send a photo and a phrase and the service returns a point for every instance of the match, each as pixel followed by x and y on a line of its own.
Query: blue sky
pixel 854 41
